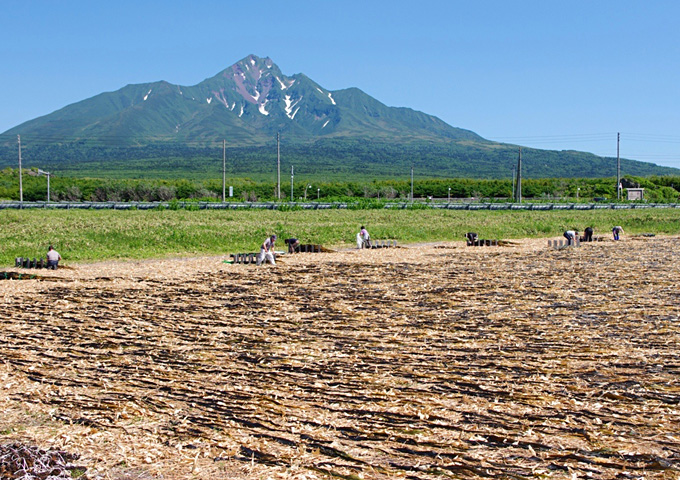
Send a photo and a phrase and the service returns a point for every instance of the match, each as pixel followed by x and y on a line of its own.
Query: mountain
pixel 172 130
pixel 247 104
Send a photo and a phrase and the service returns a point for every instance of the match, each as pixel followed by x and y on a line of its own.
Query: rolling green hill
pixel 326 159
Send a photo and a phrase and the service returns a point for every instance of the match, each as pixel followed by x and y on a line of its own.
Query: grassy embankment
pixel 83 236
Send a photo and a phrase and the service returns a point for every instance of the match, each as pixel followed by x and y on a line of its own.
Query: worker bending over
pixel 571 235
pixel 267 251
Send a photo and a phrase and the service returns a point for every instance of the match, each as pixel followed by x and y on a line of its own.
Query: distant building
pixel 635 193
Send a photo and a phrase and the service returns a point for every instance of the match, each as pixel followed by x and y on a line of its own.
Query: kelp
pixel 419 363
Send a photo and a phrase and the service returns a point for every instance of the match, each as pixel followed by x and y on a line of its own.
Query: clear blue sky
pixel 540 73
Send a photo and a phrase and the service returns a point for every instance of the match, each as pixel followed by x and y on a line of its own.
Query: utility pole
pixel 278 167
pixel 224 171
pixel 291 182
pixel 618 168
pixel 411 183
pixel 21 184
pixel 518 190
pixel 513 183
pixel 48 175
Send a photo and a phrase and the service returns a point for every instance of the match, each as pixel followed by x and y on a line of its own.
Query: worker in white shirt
pixel 53 258
pixel 267 251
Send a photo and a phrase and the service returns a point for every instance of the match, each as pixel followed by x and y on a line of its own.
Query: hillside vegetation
pixel 329 159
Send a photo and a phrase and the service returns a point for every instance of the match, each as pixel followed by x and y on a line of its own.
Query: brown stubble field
pixel 436 361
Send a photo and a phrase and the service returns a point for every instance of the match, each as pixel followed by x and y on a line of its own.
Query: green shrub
pixel 288 207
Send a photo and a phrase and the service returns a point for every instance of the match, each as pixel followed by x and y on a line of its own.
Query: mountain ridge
pixel 249 103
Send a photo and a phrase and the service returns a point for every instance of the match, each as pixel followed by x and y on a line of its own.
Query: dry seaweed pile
pixel 26 462
pixel 416 363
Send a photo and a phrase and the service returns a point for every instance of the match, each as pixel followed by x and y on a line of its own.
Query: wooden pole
pixel 618 168
pixel 513 184
pixel 224 171
pixel 21 185
pixel 278 166
pixel 518 190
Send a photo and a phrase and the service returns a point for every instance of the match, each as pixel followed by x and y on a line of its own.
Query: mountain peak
pixel 254 60
pixel 250 100
pixel 253 78
pixel 248 103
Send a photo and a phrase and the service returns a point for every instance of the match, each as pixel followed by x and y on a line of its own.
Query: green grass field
pixel 85 236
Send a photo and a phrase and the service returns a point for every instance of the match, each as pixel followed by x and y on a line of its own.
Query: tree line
pixel 73 189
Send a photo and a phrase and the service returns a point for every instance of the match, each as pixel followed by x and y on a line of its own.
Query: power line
pixel 657 155
pixel 575 136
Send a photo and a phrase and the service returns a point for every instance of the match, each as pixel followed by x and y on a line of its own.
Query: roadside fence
pixel 323 206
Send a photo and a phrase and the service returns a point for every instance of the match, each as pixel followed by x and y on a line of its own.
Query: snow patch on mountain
pixel 290 105
pixel 324 125
pixel 209 100
pixel 239 115
pixel 283 85
pixel 331 97
pixel 262 108
pixel 147 95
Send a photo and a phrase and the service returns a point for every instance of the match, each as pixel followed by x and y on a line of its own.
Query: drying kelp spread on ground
pixel 501 362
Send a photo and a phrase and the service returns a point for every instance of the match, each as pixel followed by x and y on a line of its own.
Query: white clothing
pixel 265 256
pixel 268 244
pixel 363 238
pixel 53 255
pixel 266 252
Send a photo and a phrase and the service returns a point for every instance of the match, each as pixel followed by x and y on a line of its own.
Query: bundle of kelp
pixel 19 461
